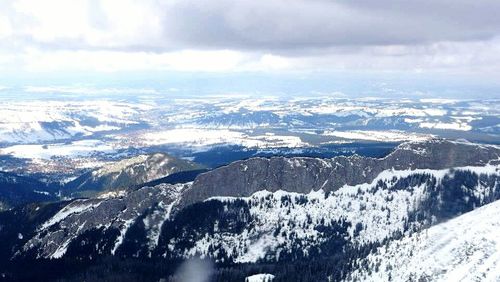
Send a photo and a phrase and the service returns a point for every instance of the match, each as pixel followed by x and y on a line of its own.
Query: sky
pixel 453 44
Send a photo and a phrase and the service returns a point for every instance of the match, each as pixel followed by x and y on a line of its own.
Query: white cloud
pixel 5 27
pixel 87 90
pixel 88 23
pixel 184 60
pixel 224 36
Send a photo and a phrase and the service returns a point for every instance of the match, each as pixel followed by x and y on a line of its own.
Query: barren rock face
pixel 303 175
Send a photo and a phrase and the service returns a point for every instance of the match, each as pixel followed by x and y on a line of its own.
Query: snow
pixel 46 152
pixel 379 135
pixel 106 213
pixel 361 203
pixel 75 207
pixel 249 104
pixel 258 249
pixel 458 125
pixel 123 230
pixel 439 101
pixel 61 250
pixel 112 194
pixel 37 121
pixel 154 222
pixel 119 166
pixel 262 277
pixel 198 137
pixel 466 248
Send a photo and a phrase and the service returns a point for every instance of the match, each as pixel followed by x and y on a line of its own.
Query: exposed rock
pixel 303 175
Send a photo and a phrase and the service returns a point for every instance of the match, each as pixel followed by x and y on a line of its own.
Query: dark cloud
pixel 301 24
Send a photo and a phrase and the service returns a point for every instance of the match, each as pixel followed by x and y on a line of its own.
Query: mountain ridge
pixel 129 173
pixel 337 227
pixel 301 174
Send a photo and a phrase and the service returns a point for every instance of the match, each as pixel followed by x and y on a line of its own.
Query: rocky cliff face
pixel 303 175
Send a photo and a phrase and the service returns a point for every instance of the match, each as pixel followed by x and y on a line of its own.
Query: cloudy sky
pixel 442 38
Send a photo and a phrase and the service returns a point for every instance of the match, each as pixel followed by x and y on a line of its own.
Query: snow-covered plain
pixel 200 138
pixel 379 135
pixel 46 152
pixel 35 121
pixel 38 121
pixel 77 129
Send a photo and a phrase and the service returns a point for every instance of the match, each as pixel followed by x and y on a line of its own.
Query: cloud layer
pixel 225 35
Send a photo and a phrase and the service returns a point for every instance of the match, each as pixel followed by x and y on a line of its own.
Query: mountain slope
pixel 275 225
pixel 295 219
pixel 466 248
pixel 287 225
pixel 73 229
pixel 129 173
pixel 18 190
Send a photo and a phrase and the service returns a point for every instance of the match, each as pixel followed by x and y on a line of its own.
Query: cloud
pixel 87 90
pixel 258 24
pixel 225 35
pixel 282 24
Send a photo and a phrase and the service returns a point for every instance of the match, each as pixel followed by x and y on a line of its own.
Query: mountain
pixel 303 175
pixel 16 190
pixel 107 219
pixel 466 248
pixel 129 173
pixel 307 218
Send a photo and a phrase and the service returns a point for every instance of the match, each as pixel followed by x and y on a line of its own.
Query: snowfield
pixel 379 135
pixel 199 138
pixel 262 277
pixel 46 152
pixel 466 248
pixel 37 121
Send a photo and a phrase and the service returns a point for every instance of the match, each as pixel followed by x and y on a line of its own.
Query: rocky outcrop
pixel 303 175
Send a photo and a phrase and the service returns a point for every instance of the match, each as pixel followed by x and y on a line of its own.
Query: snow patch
pixel 262 277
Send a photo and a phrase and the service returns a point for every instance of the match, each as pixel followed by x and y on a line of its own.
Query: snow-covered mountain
pixel 129 173
pixel 34 121
pixel 466 248
pixel 330 213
